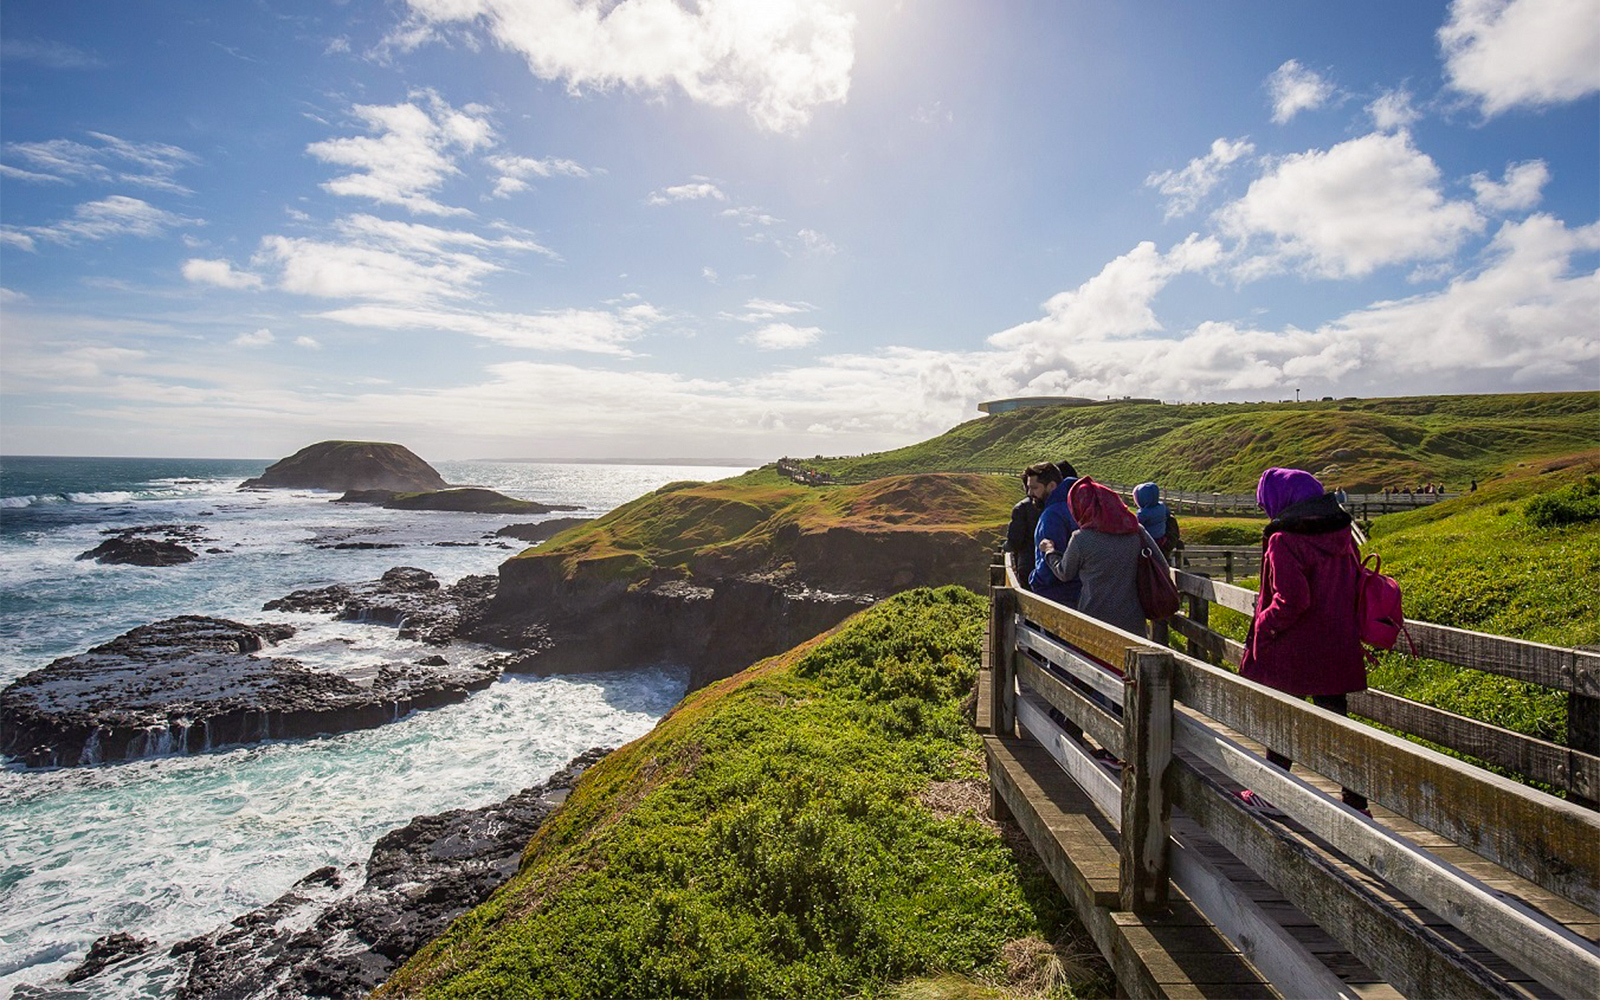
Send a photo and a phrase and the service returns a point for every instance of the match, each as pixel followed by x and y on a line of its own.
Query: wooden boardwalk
pixel 1463 883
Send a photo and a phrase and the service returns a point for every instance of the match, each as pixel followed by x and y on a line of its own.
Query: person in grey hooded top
pixel 1104 554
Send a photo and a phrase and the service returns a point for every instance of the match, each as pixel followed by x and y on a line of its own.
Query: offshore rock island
pixel 350 465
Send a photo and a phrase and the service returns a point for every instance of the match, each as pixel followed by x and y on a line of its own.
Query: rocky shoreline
pixel 192 683
pixel 340 932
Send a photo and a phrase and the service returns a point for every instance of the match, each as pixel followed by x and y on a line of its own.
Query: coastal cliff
pixel 715 575
pixel 350 465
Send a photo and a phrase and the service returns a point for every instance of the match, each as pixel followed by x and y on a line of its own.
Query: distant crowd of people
pixel 1074 541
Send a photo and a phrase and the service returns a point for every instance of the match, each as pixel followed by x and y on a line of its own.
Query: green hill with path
pixel 1359 444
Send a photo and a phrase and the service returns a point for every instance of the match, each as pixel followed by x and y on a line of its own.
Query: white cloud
pixel 1348 210
pixel 1185 188
pixel 779 60
pixel 109 160
pixel 1393 111
pixel 389 261
pixel 409 153
pixel 105 219
pixel 698 189
pixel 757 310
pixel 353 270
pixel 782 336
pixel 1521 188
pixel 1295 89
pixel 51 54
pixel 749 215
pixel 1114 304
pixel 816 243
pixel 933 114
pixel 514 172
pixel 259 338
pixel 309 343
pixel 218 272
pixel 12 295
pixel 597 331
pixel 1516 53
pixel 709 273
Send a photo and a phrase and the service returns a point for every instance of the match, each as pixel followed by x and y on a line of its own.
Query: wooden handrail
pixel 1541 837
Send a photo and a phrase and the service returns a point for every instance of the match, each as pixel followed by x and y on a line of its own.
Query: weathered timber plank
pixel 982 721
pixel 1527 939
pixel 1227 595
pixel 1545 839
pixel 1413 958
pixel 1104 790
pixel 1572 670
pixel 1065 657
pixel 1058 819
pixel 1096 721
pixel 1268 946
pixel 1213 647
pixel 1538 759
pixel 1099 640
pixel 1185 954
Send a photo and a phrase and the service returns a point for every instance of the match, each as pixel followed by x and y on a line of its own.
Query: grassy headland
pixel 759 522
pixel 809 827
pixel 1360 444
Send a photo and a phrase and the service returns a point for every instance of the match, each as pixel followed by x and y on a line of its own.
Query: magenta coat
pixel 1305 638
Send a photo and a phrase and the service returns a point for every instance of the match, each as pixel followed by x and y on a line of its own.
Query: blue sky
pixel 667 228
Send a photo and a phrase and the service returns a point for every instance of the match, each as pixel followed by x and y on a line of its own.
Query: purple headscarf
pixel 1280 488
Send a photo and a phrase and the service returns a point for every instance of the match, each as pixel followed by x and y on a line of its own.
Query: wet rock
pixel 540 531
pixel 407 597
pixel 332 937
pixel 362 545
pixel 471 500
pixel 191 683
pixel 139 552
pixel 106 951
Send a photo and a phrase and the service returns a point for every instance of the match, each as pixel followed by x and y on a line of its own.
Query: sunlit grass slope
pixel 1355 443
pixel 750 521
pixel 770 838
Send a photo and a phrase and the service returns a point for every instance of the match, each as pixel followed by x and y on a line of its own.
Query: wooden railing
pixel 1176 720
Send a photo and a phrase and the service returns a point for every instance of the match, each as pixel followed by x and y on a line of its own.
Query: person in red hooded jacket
pixel 1305 639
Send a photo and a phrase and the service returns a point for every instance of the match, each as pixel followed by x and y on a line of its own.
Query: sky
pixel 753 228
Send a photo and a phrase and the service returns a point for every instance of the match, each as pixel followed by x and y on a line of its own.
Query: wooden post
pixel 1583 724
pixel 1002 684
pixel 1198 610
pixel 1146 807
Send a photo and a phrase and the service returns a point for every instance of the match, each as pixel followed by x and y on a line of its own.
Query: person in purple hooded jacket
pixel 1305 639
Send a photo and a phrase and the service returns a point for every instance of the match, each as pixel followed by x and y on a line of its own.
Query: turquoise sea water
pixel 170 847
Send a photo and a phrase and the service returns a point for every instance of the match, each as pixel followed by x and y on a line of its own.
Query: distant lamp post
pixel 1297 395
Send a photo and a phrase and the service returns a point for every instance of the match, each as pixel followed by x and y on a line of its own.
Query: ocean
pixel 170 847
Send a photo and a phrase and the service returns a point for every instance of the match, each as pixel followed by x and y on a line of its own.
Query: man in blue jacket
pixel 1048 484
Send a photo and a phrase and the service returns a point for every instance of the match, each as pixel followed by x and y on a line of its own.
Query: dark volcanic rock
pixel 350 465
pixel 541 531
pixel 187 684
pixel 472 500
pixel 406 597
pixel 367 496
pixel 139 552
pixel 328 938
pixel 106 951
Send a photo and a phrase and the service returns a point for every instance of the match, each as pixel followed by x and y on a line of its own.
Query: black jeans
pixel 1333 703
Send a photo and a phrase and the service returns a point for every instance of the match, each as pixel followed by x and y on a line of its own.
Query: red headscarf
pixel 1100 509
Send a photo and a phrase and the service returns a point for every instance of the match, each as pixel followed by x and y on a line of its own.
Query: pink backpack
pixel 1378 606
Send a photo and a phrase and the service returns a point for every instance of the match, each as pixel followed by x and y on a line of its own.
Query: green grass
pixel 769 839
pixel 1360 444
